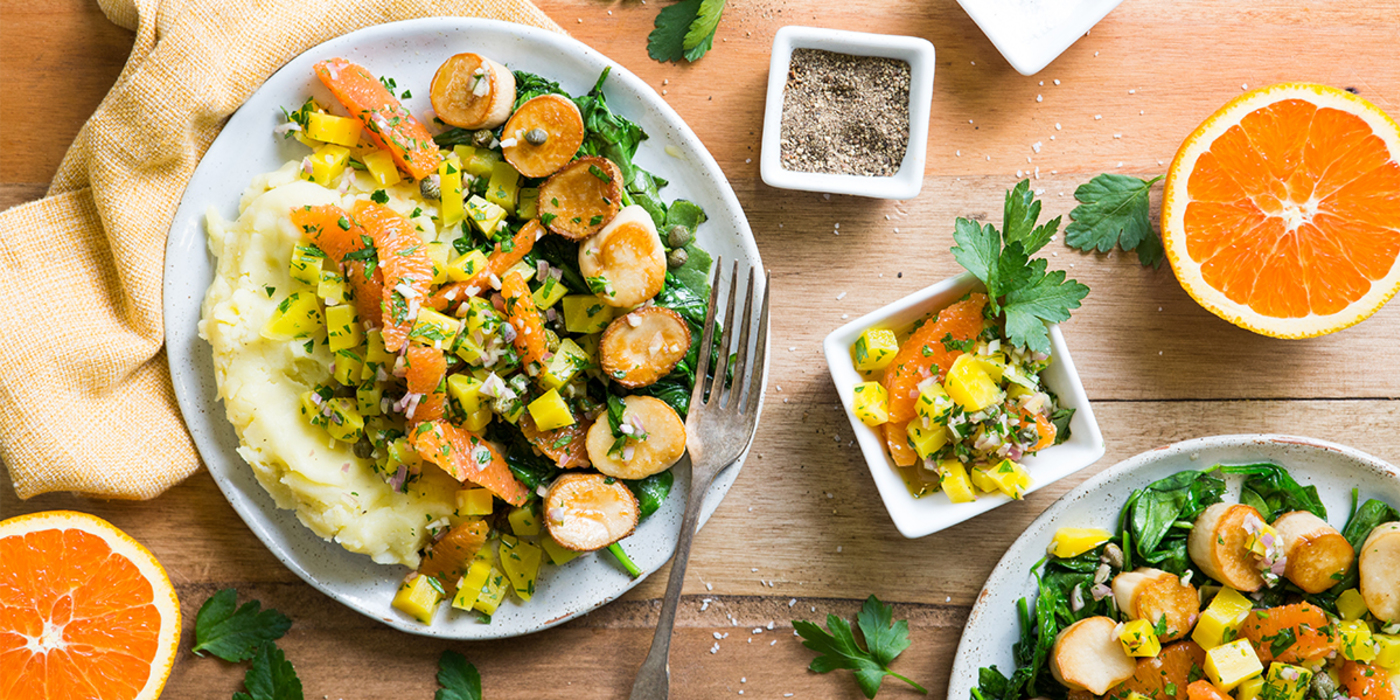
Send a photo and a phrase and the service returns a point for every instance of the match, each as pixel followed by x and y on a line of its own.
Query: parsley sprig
pixel 458 678
pixel 885 639
pixel 685 30
pixel 233 633
pixel 1018 286
pixel 1113 211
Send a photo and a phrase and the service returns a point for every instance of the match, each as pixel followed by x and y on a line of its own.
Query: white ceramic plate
pixel 1334 469
pixel 1030 41
pixel 917 517
pixel 410 52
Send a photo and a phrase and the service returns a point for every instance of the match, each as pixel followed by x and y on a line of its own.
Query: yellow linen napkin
pixel 86 402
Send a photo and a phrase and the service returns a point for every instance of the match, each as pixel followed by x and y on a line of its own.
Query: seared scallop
pixel 1380 572
pixel 543 135
pixel 1317 555
pixel 643 346
pixel 624 263
pixel 1219 545
pixel 582 198
pixel 655 440
pixel 1152 595
pixel 1088 656
pixel 473 92
pixel 585 512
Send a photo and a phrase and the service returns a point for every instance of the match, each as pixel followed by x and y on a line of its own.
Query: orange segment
pixel 522 314
pixel 1367 682
pixel 1171 670
pixel 468 458
pixel 923 352
pixel 1281 213
pixel 85 611
pixel 425 369
pixel 333 231
pixel 387 122
pixel 408 271
pixel 567 446
pixel 1310 627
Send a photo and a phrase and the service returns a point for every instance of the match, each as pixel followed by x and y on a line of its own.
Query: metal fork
pixel 718 429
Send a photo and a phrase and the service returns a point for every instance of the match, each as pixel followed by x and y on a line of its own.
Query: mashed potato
pixel 336 494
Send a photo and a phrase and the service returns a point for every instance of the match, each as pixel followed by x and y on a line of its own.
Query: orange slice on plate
pixel 85 611
pixel 1281 212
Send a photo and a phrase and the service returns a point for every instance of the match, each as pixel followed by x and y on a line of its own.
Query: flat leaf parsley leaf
pixel 885 639
pixel 1018 285
pixel 235 634
pixel 1113 210
pixel 458 678
pixel 685 30
pixel 271 677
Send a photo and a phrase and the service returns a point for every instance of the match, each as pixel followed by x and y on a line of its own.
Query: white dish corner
pixel 918 53
pixel 918 517
pixel 1030 52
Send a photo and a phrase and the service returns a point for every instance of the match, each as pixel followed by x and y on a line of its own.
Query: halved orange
pixel 1281 212
pixel 85 611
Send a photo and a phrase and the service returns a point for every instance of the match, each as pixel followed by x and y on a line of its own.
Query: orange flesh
pixel 1293 211
pixel 323 226
pixel 568 455
pixel 897 437
pixel 425 368
pixel 448 558
pixel 387 122
pixel 100 601
pixel 1309 624
pixel 1367 682
pixel 496 264
pixel 1174 667
pixel 529 339
pixel 923 352
pixel 1204 690
pixel 468 458
pixel 406 265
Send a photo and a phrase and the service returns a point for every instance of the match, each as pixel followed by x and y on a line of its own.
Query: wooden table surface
pixel 803 520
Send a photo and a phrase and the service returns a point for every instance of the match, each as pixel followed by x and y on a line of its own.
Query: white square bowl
pixel 918 53
pixel 1030 43
pixel 917 517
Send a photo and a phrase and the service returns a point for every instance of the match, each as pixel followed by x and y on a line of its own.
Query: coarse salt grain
pixel 1039 98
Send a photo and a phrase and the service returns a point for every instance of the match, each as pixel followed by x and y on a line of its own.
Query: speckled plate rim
pixel 992 628
pixel 411 50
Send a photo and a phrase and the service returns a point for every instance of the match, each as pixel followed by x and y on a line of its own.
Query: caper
pixel 536 136
pixel 1322 687
pixel 678 237
pixel 482 138
pixel 677 258
pixel 431 187
pixel 363 449
pixel 1112 555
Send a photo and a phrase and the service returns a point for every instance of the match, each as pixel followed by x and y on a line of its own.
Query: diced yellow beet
pixel 327 164
pixel 343 328
pixel 450 207
pixel 550 411
pixel 874 349
pixel 471 585
pixel 401 452
pixel 485 216
pixel 374 348
pixel 298 316
pixel 1356 640
pixel 1218 625
pixel 1387 651
pixel 381 167
pixel 344 422
pixel 1139 639
pixel 481 316
pixel 482 162
pixel 466 391
pixel 994 365
pixel 567 362
pixel 1010 477
pixel 968 384
pixel 492 592
pixel 872 404
pixel 305 264
pixel 419 598
pixel 367 398
pixel 524 269
pixel 1071 542
pixel 504 186
pixel 1285 682
pixel 583 313
pixel 525 520
pixel 1351 605
pixel 465 267
pixel 984 483
pixel 438 252
pixel 927 441
pixel 468 349
pixel 934 405
pixel 331 289
pixel 475 502
pixel 557 552
pixel 477 422
pixel 342 131
pixel 347 368
pixel 551 290
pixel 529 206
pixel 955 481
pixel 435 328
pixel 521 562
pixel 1228 665
pixel 1250 689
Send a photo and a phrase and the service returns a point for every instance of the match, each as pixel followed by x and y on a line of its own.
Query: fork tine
pixel 717 389
pixel 741 362
pixel 760 350
pixel 702 365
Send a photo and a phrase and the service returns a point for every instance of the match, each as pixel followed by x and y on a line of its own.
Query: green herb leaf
pixel 1113 210
pixel 458 678
pixel 1019 217
pixel 701 35
pixel 667 40
pixel 271 677
pixel 885 639
pixel 1044 297
pixel 234 634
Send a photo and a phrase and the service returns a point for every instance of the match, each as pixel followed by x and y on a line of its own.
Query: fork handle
pixel 654 678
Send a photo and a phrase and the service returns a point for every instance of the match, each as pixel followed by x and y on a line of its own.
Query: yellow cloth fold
pixel 86 402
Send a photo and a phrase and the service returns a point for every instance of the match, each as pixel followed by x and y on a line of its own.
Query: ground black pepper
pixel 845 114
